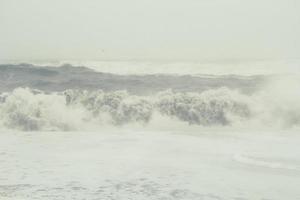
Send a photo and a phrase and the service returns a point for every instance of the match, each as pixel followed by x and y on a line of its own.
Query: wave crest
pixel 27 110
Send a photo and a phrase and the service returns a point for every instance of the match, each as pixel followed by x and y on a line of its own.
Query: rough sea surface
pixel 70 132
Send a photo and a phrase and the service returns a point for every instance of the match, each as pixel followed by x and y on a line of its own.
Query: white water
pixel 218 144
pixel 31 110
pixel 207 164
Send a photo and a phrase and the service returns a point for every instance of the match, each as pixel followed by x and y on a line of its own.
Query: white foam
pixel 26 109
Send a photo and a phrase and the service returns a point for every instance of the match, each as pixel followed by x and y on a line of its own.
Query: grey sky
pixel 149 29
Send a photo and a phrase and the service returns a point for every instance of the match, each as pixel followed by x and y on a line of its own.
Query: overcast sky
pixel 149 29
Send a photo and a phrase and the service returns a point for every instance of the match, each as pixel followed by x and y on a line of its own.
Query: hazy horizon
pixel 149 99
pixel 149 30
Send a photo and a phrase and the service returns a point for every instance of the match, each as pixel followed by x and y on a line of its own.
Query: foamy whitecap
pixel 26 109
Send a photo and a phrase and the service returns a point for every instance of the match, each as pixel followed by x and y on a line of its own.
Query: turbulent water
pixel 76 98
pixel 74 133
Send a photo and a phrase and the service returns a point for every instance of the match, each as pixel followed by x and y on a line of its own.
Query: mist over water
pixel 149 100
pixel 222 67
pixel 46 99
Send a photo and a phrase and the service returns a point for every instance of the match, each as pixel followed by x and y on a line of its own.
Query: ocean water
pixel 91 131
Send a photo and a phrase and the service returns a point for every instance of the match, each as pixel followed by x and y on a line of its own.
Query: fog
pixel 149 99
pixel 149 29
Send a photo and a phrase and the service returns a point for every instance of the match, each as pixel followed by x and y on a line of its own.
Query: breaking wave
pixel 26 109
